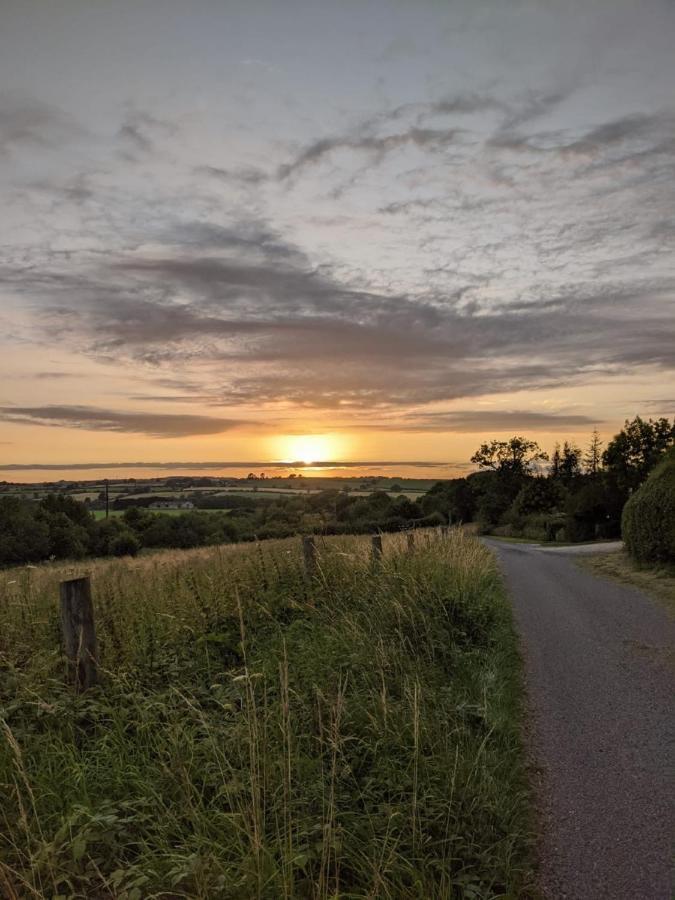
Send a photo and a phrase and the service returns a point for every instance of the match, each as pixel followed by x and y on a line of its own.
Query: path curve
pixel 599 662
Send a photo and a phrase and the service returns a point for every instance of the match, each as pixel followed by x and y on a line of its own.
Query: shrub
pixel 593 511
pixel 125 544
pixel 648 520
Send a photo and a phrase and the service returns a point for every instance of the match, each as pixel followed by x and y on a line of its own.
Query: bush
pixel 125 544
pixel 593 511
pixel 648 520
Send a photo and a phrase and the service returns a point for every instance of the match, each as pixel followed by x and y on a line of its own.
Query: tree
pixel 570 463
pixel 539 495
pixel 593 457
pixel 23 537
pixel 556 460
pixel 635 450
pixel 456 497
pixel 517 456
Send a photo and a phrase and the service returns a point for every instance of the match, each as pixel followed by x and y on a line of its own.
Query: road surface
pixel 599 661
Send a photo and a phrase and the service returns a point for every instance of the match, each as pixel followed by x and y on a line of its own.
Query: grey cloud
pixel 247 236
pixel 247 175
pixel 317 341
pixel 94 419
pixel 25 121
pixel 141 131
pixel 75 190
pixel 365 138
pixel 613 132
pixel 476 421
pixel 433 138
pixel 655 126
pixel 464 103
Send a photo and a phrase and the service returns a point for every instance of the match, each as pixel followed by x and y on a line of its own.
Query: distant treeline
pixel 60 527
pixel 576 495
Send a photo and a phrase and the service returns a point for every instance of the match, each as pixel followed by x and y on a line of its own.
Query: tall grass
pixel 260 735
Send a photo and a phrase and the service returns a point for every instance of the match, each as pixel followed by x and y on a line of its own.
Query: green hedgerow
pixel 648 520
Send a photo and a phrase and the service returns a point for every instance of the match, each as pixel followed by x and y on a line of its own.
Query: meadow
pixel 258 732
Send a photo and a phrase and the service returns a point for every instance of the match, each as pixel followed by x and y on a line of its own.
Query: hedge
pixel 648 519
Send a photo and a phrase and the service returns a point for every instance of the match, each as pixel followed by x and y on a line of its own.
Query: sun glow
pixel 310 448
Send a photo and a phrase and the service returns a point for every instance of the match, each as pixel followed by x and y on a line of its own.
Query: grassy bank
pixel 259 735
pixel 659 581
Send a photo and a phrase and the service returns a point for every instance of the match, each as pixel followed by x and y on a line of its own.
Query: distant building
pixel 172 504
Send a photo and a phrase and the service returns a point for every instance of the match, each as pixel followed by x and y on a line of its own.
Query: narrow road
pixel 599 661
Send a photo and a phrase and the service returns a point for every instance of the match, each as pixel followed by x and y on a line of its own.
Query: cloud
pixel 489 421
pixel 377 146
pixel 25 121
pixel 94 419
pixel 653 127
pixel 367 139
pixel 243 175
pixel 247 236
pixel 141 131
pixel 265 327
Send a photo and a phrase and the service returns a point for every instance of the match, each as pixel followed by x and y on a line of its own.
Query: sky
pixel 350 231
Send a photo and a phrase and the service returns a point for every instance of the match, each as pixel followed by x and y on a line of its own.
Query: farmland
pixel 182 487
pixel 262 732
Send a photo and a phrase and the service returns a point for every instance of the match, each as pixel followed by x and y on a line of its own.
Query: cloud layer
pixel 157 425
pixel 399 233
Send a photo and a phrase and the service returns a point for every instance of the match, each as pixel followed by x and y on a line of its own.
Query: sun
pixel 309 448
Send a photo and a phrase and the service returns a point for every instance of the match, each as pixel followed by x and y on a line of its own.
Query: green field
pixel 261 733
pixel 100 513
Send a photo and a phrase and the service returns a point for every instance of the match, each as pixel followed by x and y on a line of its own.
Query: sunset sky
pixel 358 231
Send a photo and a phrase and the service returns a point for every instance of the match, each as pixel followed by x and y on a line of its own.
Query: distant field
pixel 100 513
pixel 410 487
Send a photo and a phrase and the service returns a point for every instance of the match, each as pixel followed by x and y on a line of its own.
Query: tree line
pixel 575 495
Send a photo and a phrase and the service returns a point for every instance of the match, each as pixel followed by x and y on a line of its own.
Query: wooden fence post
pixel 410 537
pixel 309 554
pixel 79 634
pixel 377 547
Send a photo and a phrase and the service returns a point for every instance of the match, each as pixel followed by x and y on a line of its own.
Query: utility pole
pixel 107 500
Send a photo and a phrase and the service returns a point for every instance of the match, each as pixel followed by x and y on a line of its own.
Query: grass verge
pixel 260 735
pixel 659 581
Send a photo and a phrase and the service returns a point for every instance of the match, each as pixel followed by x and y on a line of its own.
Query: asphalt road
pixel 599 660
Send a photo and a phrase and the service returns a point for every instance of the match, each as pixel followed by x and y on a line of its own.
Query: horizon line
pixel 275 464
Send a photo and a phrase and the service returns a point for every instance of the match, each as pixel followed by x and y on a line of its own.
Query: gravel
pixel 599 660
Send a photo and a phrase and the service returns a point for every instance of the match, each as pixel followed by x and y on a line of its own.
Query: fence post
pixel 309 554
pixel 444 531
pixel 377 547
pixel 410 537
pixel 79 634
